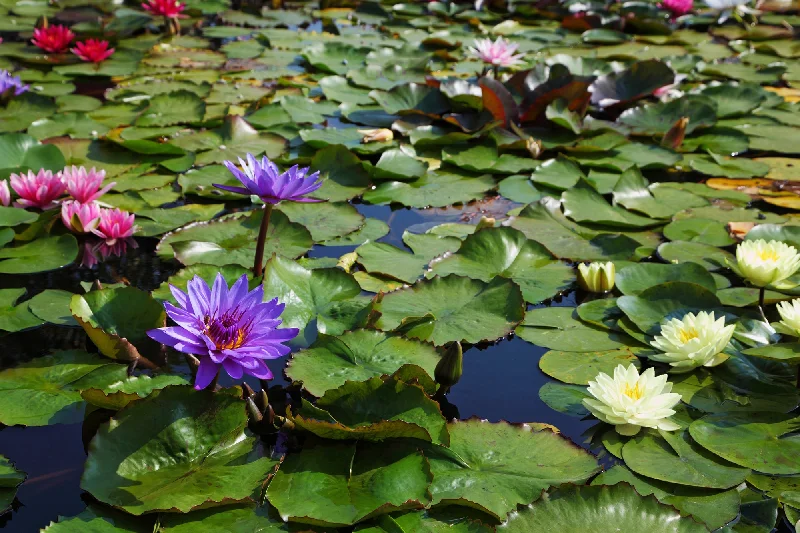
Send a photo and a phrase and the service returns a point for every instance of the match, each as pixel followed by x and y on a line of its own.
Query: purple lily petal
pixel 206 373
pixel 263 179
pixel 227 328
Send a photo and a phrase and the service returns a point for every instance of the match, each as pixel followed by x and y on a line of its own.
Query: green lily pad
pixel 14 216
pixel 635 279
pixel 357 356
pixel 385 259
pixel 508 253
pixel 434 189
pixel 339 484
pixel 581 367
pixel 584 204
pixel 375 410
pixel 560 173
pixel 607 509
pixel 207 272
pixel 411 98
pixel 10 479
pixel 658 118
pixel 52 305
pixel 753 440
pixel 559 328
pixel 328 295
pixel 709 257
pixel 675 458
pixel 345 176
pixel 453 308
pixel 713 508
pixel 699 230
pixel 215 460
pixel 232 518
pixel 631 191
pixel 673 299
pixel 567 399
pixel 41 255
pixel 20 152
pixel 786 352
pixel 637 81
pixel 325 220
pixel 232 240
pixel 47 389
pixel 117 395
pixel 524 460
pixel 13 316
pixel 117 321
pixel 445 520
pixel 179 107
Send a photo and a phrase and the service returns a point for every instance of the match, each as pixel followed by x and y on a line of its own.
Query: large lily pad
pixel 10 479
pixel 675 458
pixel 522 461
pixel 608 509
pixel 356 356
pixel 508 253
pixel 47 389
pixel 44 254
pixel 329 295
pixel 761 441
pixel 212 460
pixel 582 367
pixel 385 259
pixel 453 308
pixel 339 484
pixel 232 240
pixel 559 328
pixel 375 410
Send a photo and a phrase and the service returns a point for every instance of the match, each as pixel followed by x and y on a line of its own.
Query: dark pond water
pixel 501 381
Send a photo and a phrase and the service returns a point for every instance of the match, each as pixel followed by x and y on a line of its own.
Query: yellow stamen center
pixel 768 255
pixel 685 335
pixel 232 344
pixel 634 393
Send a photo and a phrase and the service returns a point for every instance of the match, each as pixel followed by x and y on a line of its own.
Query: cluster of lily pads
pixel 633 161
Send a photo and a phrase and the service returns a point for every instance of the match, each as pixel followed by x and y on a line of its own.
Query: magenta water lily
pixel 230 329
pixel 263 179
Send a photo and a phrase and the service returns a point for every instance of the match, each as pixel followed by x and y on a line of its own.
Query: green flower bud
pixel 449 368
pixel 596 277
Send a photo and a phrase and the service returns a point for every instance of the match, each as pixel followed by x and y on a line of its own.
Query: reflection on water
pixel 500 381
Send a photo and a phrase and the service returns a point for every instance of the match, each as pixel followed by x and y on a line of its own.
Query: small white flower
pixel 727 7
pixel 696 340
pixel 790 318
pixel 596 277
pixel 631 401
pixel 765 263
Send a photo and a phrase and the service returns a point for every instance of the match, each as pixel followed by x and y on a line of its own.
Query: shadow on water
pixel 501 381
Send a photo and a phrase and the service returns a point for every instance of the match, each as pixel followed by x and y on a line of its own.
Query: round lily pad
pixel 581 367
pixel 213 459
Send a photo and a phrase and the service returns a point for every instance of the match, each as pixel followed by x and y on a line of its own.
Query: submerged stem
pixel 258 265
pixel 761 293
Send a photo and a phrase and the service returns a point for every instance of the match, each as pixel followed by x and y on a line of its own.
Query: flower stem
pixel 761 293
pixel 258 266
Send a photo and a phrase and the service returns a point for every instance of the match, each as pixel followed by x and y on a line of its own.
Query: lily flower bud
pixel 450 367
pixel 596 277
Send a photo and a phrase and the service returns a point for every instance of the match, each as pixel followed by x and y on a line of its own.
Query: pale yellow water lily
pixel 693 341
pixel 631 401
pixel 790 318
pixel 596 277
pixel 765 263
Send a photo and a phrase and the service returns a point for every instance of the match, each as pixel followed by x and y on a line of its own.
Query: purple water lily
pixel 11 84
pixel 265 181
pixel 231 329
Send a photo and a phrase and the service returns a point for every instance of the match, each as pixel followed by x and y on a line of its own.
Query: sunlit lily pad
pixel 530 459
pixel 338 484
pixel 581 367
pixel 453 308
pixel 357 356
pixel 607 509
pixel 559 328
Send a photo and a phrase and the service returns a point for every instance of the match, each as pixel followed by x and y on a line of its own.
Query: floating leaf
pixel 453 308
pixel 523 460
pixel 357 356
pixel 10 479
pixel 581 367
pixel 559 328
pixel 339 484
pixel 214 459
pixel 41 255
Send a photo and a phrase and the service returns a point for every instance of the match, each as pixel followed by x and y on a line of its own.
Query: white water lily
pixel 693 341
pixel 631 401
pixel 728 7
pixel 790 318
pixel 765 263
pixel 596 277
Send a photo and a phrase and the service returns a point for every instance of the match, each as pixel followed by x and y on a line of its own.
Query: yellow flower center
pixel 686 335
pixel 633 393
pixel 768 255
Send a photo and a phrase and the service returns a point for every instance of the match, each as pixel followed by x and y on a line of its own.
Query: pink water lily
pixel 499 53
pixel 93 50
pixel 84 185
pixel 80 218
pixel 165 8
pixel 54 39
pixel 41 190
pixel 115 225
pixel 677 7
pixel 5 193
